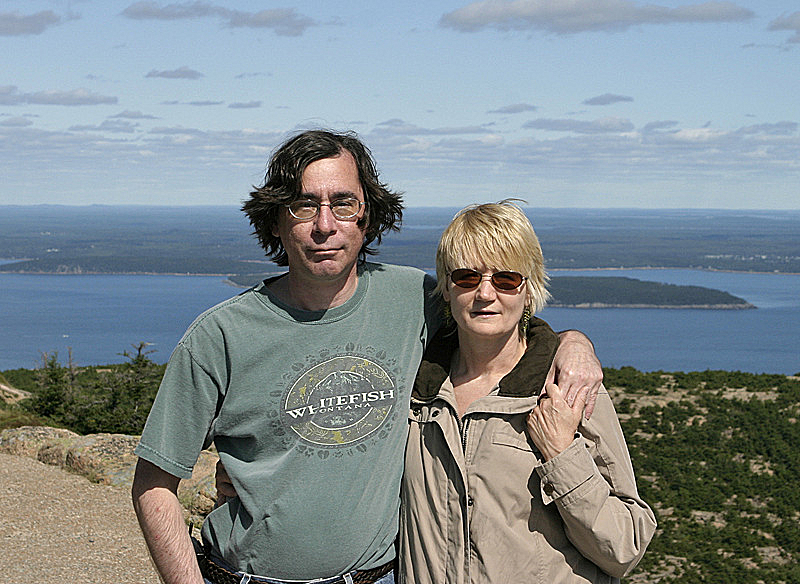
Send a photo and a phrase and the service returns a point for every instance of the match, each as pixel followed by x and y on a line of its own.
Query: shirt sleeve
pixel 180 422
pixel 594 488
pixel 433 308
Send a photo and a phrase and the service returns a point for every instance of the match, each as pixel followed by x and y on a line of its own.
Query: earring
pixel 525 321
pixel 447 316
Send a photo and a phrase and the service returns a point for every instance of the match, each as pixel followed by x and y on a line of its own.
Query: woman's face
pixel 485 310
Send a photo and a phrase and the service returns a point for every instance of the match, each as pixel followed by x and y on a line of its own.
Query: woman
pixel 504 481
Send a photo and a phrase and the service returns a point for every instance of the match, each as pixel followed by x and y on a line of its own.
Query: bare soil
pixel 60 527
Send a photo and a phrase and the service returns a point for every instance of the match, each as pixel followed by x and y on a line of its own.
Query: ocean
pixel 101 316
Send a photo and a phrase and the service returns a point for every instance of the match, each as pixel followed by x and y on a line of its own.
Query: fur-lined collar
pixel 525 380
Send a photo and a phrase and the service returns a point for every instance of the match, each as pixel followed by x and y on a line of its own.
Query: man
pixel 303 385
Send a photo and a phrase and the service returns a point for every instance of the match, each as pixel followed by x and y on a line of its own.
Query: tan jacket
pixel 479 504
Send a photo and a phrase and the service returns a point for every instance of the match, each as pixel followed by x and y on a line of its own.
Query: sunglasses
pixel 469 279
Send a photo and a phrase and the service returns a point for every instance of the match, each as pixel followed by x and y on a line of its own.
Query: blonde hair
pixel 499 236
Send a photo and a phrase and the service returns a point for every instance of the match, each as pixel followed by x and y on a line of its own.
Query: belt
pixel 220 575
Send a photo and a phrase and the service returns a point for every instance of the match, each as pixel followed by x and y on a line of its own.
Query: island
pixel 607 292
pixel 622 292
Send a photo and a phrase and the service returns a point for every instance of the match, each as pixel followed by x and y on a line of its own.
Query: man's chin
pixel 329 270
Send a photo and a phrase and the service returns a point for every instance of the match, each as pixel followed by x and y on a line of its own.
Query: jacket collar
pixel 525 380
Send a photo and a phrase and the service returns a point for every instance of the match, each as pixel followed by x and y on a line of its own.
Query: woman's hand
pixel 553 422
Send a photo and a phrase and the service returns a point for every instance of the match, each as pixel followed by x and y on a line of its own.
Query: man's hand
pixel 225 488
pixel 576 367
pixel 160 515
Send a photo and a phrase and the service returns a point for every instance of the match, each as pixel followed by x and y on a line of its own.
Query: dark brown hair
pixel 283 184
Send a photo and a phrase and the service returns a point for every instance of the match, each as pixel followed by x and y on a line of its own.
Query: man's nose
pixel 325 221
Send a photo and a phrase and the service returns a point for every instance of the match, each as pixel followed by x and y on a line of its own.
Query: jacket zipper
pixel 464 427
pixel 467 511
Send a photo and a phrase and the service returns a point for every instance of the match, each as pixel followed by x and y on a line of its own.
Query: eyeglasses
pixel 308 209
pixel 469 279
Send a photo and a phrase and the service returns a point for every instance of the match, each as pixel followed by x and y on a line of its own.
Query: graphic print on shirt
pixel 339 401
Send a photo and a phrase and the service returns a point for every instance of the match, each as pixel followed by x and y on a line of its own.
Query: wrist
pixel 574 336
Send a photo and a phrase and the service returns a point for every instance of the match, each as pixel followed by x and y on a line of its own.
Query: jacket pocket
pixel 513 436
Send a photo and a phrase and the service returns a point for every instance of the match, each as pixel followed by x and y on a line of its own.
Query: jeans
pixel 387 579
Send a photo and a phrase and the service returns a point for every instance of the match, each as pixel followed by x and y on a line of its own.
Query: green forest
pixel 715 454
pixel 616 291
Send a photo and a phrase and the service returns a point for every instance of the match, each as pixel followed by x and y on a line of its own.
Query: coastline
pixel 747 306
pixel 227 279
pixel 429 270
pixel 694 269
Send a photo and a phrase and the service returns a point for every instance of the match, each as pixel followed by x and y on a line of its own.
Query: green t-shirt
pixel 308 411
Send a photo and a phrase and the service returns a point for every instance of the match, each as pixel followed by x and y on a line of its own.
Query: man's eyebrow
pixel 336 195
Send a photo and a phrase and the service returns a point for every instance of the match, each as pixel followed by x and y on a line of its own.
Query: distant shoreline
pixel 672 268
pixel 430 270
pixel 601 305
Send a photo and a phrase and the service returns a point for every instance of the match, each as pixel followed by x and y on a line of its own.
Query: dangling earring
pixel 447 316
pixel 525 321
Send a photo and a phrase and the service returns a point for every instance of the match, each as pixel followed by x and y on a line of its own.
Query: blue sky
pixel 563 103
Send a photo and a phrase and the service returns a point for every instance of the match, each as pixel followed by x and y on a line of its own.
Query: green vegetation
pixel 615 291
pixel 112 398
pixel 90 264
pixel 715 454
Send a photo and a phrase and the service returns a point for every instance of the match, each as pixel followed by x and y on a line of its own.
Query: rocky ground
pixel 57 525
pixel 60 527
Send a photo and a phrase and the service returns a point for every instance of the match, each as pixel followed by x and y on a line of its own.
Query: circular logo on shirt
pixel 339 401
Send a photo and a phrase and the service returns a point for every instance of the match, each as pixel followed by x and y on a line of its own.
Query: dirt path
pixel 12 394
pixel 59 527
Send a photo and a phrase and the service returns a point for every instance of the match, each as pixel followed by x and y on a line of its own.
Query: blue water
pixel 99 317
pixel 765 340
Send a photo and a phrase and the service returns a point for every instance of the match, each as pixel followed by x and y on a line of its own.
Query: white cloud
pixel 179 73
pixel 113 126
pixel 283 21
pixel 245 105
pixel 16 24
pixel 788 22
pixel 423 161
pixel 777 129
pixel 153 11
pixel 16 122
pixel 399 127
pixel 177 131
pixel 606 99
pixel 515 108
pixel 599 126
pixel 659 125
pixel 697 135
pixel 9 95
pixel 134 115
pixel 248 75
pixel 569 17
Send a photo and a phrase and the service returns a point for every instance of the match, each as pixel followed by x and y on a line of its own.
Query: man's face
pixel 324 248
